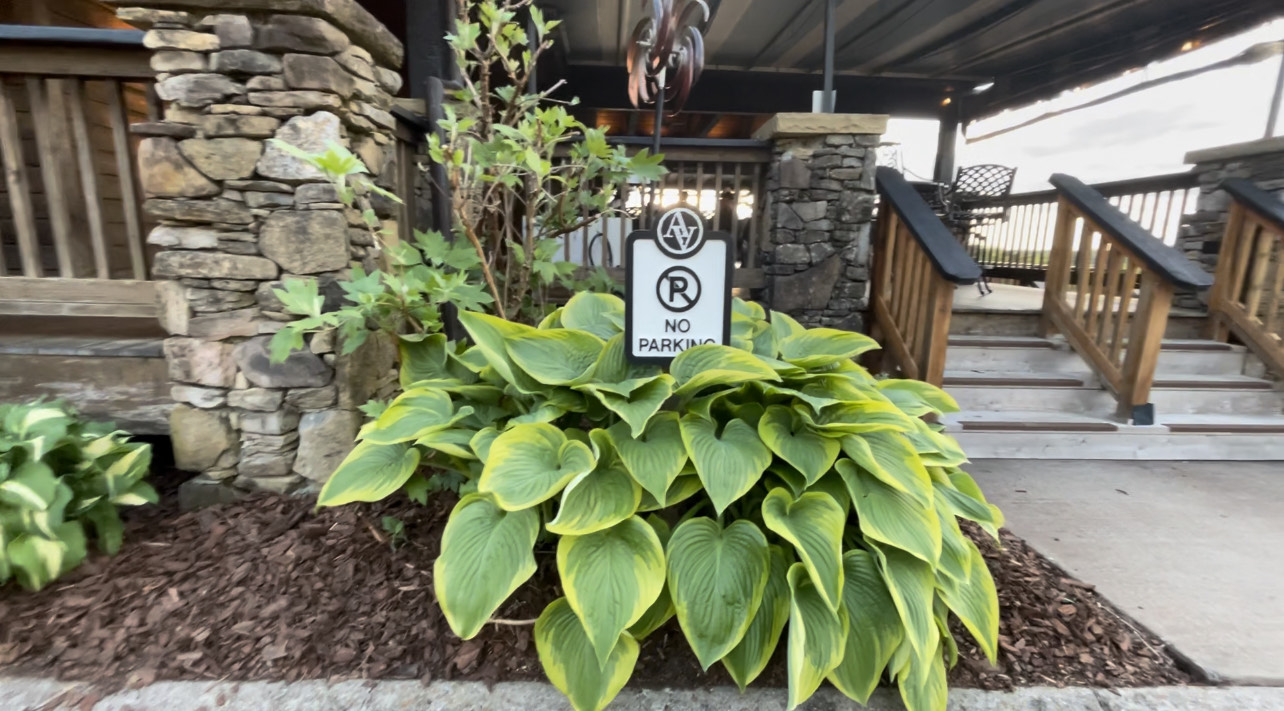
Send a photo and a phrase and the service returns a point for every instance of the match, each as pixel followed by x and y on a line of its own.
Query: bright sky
pixel 1147 133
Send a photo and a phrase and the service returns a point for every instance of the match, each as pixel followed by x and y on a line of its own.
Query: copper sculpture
pixel 666 53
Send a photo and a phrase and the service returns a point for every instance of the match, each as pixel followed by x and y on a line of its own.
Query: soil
pixel 268 588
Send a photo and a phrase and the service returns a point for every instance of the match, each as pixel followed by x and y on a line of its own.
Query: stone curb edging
pixel 28 694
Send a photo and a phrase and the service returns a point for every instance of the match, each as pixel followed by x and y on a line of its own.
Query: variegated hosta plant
pixel 767 486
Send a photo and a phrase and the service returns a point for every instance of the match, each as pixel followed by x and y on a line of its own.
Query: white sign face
pixel 678 288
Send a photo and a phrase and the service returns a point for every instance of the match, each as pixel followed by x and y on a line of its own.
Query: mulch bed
pixel 266 588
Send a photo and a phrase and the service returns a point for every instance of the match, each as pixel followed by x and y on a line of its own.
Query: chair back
pixel 982 182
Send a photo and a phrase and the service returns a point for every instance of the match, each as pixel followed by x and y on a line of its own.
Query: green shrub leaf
pixel 956 553
pixel 490 334
pixel 611 577
pixel 750 657
pixel 637 407
pixel 570 662
pixel 729 465
pixel 485 555
pixel 912 587
pixel 371 472
pixel 661 610
pixel 785 434
pixel 556 357
pixel 819 347
pixel 716 577
pixel 414 414
pixel 532 463
pixel 598 499
pixel 892 517
pixel 917 398
pixel 975 601
pixel 874 627
pixel 600 314
pixel 656 458
pixel 923 684
pixel 817 636
pixel 423 359
pixel 31 486
pixel 892 459
pixel 814 524
pixel 712 364
pixel 785 326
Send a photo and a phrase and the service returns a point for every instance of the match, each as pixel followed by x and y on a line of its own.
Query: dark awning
pixel 917 51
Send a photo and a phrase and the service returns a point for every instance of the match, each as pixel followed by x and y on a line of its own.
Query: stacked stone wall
pixel 237 215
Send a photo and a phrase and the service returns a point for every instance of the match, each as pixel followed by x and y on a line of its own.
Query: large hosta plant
pixel 762 493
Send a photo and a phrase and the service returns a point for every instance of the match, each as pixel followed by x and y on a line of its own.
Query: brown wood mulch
pixel 266 588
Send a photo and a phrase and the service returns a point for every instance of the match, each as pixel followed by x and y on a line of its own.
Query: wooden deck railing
pixel 1019 246
pixel 1115 309
pixel 917 265
pixel 1248 292
pixel 70 204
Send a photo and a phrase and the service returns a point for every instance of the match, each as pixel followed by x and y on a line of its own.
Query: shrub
pixel 770 485
pixel 57 475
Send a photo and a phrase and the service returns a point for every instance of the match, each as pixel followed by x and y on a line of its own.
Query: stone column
pixel 1261 161
pixel 820 201
pixel 237 215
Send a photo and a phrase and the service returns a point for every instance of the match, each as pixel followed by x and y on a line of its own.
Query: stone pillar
pixel 820 202
pixel 1261 161
pixel 237 215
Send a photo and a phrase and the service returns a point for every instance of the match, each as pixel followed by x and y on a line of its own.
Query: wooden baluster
pixel 1275 284
pixel 914 298
pixel 1130 275
pixel 1264 245
pixel 1084 274
pixel 924 309
pixel 1095 307
pixel 1243 253
pixel 89 179
pixel 1058 268
pixel 15 170
pixel 1104 335
pixel 4 265
pixel 125 171
pixel 51 174
pixel 1144 343
pixel 1218 297
pixel 938 331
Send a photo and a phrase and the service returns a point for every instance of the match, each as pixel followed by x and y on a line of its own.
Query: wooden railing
pixel 67 98
pixel 917 265
pixel 1019 246
pixel 1248 293
pixel 1109 290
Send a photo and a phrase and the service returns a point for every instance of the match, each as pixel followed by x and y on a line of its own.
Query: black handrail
pixel 1256 199
pixel 38 34
pixel 949 258
pixel 1167 261
pixel 1113 188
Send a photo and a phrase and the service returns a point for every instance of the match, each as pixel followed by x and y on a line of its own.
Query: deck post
pixel 819 209
pixel 238 215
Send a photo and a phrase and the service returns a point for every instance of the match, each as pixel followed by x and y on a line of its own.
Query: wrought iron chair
pixel 968 206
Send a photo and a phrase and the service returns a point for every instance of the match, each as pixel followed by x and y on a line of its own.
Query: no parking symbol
pixel 678 288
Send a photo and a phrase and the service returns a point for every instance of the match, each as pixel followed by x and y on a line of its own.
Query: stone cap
pixel 347 15
pixel 1237 150
pixel 797 125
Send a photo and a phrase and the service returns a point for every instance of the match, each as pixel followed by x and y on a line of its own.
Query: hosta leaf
pixel 858 417
pixel 892 459
pixel 750 657
pixel 912 587
pixel 716 578
pixel 892 517
pixel 923 685
pixel 814 524
pixel 371 472
pixel 600 314
pixel 817 636
pixel 818 347
pixel 597 499
pixel 31 486
pixel 423 359
pixel 656 458
pixel 785 434
pixel 453 442
pixel 490 334
pixel 613 369
pixel 481 442
pixel 712 364
pixel 874 627
pixel 661 610
pixel 785 326
pixel 917 398
pixel 934 448
pixel 532 463
pixel 683 488
pixel 414 414
pixel 611 577
pixel 956 551
pixel 975 602
pixel 485 555
pixel 571 664
pixel 637 407
pixel 557 357
pixel 729 465
pixel 968 501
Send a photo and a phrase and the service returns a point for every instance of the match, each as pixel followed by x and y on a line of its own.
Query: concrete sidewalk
pixel 1192 550
pixel 33 694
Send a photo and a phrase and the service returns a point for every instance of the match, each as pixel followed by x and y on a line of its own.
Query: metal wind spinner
pixel 666 53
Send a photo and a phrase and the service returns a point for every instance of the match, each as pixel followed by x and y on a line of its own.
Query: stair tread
pixel 81 346
pixel 1192 381
pixel 989 378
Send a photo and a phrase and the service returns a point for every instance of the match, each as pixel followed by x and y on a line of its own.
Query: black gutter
pixel 949 258
pixel 36 34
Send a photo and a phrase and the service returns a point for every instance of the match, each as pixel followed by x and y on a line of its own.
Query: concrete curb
pixel 27 694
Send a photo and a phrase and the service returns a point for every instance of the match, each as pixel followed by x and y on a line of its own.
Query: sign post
pixel 678 288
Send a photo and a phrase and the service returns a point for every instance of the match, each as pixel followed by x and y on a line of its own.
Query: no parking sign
pixel 678 288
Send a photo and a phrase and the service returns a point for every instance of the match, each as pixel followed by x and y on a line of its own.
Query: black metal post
pixel 659 115
pixel 943 171
pixel 827 100
pixel 1274 116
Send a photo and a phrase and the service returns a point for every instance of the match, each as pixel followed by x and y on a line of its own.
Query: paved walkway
pixel 1192 550
pixel 29 695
